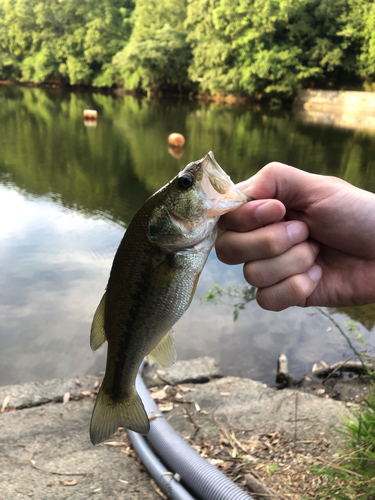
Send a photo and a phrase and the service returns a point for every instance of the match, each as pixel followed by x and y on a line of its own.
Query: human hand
pixel 306 240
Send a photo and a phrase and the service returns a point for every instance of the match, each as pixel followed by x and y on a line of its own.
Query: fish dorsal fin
pixel 98 336
pixel 165 352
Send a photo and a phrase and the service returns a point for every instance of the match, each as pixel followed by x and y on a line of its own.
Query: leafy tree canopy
pixel 247 47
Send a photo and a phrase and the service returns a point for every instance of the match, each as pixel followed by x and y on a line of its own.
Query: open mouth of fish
pixel 217 189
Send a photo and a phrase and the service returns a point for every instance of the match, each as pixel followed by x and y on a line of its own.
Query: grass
pixel 351 476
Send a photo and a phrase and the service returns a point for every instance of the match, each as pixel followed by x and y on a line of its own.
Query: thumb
pixel 280 181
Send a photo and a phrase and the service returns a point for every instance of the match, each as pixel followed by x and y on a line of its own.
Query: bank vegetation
pixel 251 48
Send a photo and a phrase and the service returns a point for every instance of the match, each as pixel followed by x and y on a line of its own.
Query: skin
pixel 307 239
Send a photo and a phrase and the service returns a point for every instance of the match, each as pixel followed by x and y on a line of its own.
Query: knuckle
pixel 274 167
pixel 304 256
pixel 290 292
pixel 267 300
pixel 301 287
pixel 272 245
pixel 256 274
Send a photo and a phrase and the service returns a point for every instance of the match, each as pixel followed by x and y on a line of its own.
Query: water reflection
pixel 68 191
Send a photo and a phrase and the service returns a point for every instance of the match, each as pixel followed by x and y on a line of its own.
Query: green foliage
pixel 353 472
pixel 158 62
pixel 238 295
pixel 272 468
pixel 248 47
pixel 158 55
pixel 271 46
pixel 70 41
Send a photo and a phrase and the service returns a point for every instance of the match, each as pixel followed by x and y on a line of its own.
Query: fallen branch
pixel 347 366
pixel 33 463
pixel 337 368
pixel 366 367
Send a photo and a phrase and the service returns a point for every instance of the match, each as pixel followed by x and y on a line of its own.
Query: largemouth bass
pixel 152 282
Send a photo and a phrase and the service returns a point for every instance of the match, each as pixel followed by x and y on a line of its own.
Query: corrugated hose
pixel 198 476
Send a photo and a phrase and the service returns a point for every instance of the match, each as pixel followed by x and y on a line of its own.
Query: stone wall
pixel 339 100
pixel 344 109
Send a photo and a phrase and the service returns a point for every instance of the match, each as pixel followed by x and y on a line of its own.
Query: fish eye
pixel 185 181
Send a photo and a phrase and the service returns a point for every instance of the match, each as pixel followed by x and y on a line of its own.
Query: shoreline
pixel 308 99
pixel 240 425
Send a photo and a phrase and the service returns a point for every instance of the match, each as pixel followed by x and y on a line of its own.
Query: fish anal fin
pixel 98 336
pixel 165 352
pixel 109 415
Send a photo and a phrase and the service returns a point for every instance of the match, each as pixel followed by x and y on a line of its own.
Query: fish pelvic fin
pixel 109 415
pixel 165 352
pixel 98 335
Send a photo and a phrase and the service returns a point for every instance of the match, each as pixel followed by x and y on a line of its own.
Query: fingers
pixel 267 272
pixel 292 291
pixel 253 215
pixel 263 243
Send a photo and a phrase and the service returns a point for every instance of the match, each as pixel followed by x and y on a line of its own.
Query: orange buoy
pixel 176 140
pixel 175 152
pixel 90 114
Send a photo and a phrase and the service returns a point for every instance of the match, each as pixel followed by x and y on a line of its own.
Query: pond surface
pixel 68 192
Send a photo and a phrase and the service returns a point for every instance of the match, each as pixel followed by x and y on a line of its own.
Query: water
pixel 67 193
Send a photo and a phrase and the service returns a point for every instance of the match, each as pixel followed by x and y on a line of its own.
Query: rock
pixel 56 438
pixel 251 405
pixel 257 488
pixel 197 371
pixel 37 393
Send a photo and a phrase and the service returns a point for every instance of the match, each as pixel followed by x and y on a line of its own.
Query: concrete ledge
pixel 336 100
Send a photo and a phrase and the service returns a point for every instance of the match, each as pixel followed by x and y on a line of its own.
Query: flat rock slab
pixel 246 404
pixel 56 438
pixel 197 371
pixel 37 393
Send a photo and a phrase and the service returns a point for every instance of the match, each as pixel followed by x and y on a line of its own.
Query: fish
pixel 152 282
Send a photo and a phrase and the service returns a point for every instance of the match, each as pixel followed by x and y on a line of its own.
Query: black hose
pixel 199 476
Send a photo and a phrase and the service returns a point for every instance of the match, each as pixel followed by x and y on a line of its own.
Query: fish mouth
pixel 217 189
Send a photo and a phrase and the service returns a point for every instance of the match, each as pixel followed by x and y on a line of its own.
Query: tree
pixel 158 54
pixel 72 41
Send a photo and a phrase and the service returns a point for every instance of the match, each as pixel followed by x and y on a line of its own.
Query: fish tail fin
pixel 109 415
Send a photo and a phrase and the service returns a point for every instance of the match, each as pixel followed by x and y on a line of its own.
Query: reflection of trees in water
pixel 114 167
pixel 363 314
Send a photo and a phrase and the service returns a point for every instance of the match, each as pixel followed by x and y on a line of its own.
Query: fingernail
pixel 315 273
pixel 296 232
pixel 315 246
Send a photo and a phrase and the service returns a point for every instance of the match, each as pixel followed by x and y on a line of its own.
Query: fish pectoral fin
pixel 109 415
pixel 165 352
pixel 98 336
